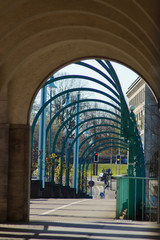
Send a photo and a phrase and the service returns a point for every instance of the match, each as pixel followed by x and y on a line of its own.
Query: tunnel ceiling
pixel 39 37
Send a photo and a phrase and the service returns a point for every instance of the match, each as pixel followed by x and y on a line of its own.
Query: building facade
pixel 147 116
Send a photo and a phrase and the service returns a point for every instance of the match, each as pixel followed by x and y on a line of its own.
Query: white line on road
pixel 64 206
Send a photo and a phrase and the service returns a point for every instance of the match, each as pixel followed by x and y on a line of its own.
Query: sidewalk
pixel 75 219
pixel 60 230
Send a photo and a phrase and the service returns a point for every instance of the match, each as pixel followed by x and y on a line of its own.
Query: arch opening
pixel 65 123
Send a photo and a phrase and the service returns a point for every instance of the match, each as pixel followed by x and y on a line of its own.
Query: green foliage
pixel 123 169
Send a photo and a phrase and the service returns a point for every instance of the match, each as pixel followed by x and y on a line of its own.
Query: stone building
pixel 147 116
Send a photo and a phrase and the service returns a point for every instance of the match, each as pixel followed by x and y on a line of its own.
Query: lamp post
pixel 86 133
pixel 51 86
pixel 42 139
pixel 67 163
pixel 131 143
pixel 91 143
pixel 119 152
pixel 42 134
pixel 76 149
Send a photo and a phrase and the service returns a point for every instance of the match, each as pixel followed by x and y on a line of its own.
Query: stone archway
pixel 38 38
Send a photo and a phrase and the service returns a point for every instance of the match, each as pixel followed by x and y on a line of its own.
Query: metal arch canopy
pixel 64 123
pixel 101 144
pixel 68 91
pixel 88 128
pixel 58 95
pixel 83 77
pixel 73 103
pixel 83 111
pixel 120 145
pixel 98 125
pixel 89 161
pixel 64 92
pixel 126 117
pixel 97 71
pixel 102 139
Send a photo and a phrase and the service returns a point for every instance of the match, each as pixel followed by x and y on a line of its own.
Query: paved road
pixel 99 187
pixel 85 219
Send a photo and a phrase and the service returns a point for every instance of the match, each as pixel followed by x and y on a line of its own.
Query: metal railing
pixel 137 198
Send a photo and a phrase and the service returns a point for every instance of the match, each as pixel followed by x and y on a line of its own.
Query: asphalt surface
pixel 76 219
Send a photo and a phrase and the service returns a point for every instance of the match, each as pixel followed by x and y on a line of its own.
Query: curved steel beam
pixel 97 146
pixel 86 78
pixel 65 122
pixel 83 111
pixel 97 71
pixel 102 149
pixel 73 103
pixel 88 128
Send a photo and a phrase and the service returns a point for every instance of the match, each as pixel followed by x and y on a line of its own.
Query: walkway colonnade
pixel 37 38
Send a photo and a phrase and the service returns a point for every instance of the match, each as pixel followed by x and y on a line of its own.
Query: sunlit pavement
pixel 77 219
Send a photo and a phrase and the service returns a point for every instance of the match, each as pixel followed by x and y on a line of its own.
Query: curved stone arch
pixel 123 16
pixel 31 86
pixel 21 76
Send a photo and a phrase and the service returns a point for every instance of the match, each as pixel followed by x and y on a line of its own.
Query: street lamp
pixel 42 133
pixel 51 86
pixel 86 133
pixel 76 148
pixel 91 143
pixel 42 139
pixel 67 163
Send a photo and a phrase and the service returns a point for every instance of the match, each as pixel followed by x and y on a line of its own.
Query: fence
pixel 137 198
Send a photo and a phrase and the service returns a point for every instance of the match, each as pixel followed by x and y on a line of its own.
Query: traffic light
pixel 118 159
pixel 96 157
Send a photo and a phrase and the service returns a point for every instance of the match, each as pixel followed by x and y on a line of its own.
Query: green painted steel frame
pixel 64 123
pixel 58 95
pixel 69 105
pixel 88 128
pixel 93 150
pixel 91 157
pixel 128 124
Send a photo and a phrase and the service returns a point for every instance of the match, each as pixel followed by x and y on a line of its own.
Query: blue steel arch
pixel 88 78
pixel 58 95
pixel 97 151
pixel 98 71
pixel 102 139
pixel 65 77
pixel 64 123
pixel 83 111
pixel 94 149
pixel 126 117
pixel 88 128
pixel 75 102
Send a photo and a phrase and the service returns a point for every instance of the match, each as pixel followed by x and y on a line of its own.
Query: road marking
pixel 64 206
pixel 98 190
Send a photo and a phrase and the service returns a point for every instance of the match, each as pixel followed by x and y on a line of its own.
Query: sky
pixel 126 76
